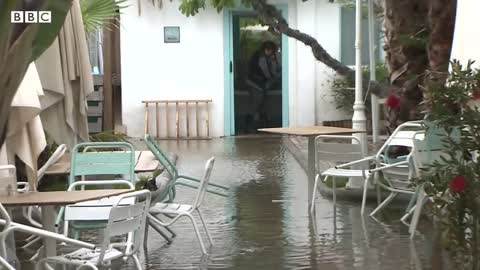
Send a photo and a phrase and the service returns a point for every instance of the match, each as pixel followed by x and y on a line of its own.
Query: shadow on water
pixel 264 224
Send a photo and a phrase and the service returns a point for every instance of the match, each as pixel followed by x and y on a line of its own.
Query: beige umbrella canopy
pixel 25 136
pixel 67 80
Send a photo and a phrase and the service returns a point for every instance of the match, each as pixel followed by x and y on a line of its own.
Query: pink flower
pixel 458 184
pixel 393 101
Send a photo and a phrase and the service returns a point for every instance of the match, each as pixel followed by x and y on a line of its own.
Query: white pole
pixel 372 46
pixel 359 119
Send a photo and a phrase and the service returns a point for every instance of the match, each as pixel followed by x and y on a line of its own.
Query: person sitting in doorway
pixel 264 74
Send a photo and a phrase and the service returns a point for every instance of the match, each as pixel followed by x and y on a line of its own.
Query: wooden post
pixel 208 120
pixel 157 117
pixel 107 80
pixel 176 120
pixel 196 119
pixel 166 115
pixel 186 111
pixel 146 118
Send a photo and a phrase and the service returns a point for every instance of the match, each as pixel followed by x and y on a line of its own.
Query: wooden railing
pixel 191 118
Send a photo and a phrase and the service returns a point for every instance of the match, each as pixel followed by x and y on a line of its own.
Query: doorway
pixel 256 89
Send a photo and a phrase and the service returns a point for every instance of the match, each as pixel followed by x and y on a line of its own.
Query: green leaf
pixel 96 13
pixel 47 32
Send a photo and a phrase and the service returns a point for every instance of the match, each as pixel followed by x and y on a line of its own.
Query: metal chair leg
pixel 416 215
pixel 158 230
pixel 197 232
pixel 138 264
pixel 312 204
pixel 364 199
pixel 384 203
pixel 205 226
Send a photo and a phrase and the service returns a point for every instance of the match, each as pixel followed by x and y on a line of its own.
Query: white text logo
pixel 31 17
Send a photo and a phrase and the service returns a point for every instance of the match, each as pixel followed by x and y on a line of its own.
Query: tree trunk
pixel 271 16
pixel 406 35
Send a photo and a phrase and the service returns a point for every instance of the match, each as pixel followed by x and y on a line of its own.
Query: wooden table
pixel 48 200
pixel 145 161
pixel 311 132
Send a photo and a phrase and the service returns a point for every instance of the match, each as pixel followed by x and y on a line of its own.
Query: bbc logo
pixel 31 17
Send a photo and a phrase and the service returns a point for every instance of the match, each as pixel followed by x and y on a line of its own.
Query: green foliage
pixel 108 136
pixel 452 107
pixel 192 7
pixel 343 89
pixel 97 13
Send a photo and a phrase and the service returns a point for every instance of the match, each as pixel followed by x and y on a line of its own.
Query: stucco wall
pixel 152 69
pixel 193 68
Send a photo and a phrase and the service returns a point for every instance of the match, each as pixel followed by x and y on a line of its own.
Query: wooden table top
pixel 59 197
pixel 145 161
pixel 311 130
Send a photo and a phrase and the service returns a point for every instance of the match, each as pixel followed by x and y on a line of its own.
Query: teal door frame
pixel 229 109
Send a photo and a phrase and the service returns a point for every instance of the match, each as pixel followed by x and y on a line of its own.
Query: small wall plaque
pixel 171 34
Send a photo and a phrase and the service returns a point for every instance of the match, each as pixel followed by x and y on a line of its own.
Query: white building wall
pixel 152 69
pixel 328 32
pixel 193 68
pixel 466 41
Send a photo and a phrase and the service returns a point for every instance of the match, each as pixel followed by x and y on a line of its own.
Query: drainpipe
pixel 359 119
pixel 372 46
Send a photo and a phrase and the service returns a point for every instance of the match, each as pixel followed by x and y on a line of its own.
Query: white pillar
pixel 372 49
pixel 359 119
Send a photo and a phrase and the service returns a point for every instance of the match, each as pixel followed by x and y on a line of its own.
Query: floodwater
pixel 265 224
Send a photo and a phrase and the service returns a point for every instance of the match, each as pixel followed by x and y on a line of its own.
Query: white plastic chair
pixel 6 227
pixel 339 152
pixel 124 219
pixel 92 214
pixel 176 211
pixel 397 172
pixel 428 149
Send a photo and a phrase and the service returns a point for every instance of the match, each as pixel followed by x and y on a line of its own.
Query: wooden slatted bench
pixel 190 119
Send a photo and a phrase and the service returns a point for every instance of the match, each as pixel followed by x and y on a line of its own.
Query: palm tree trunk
pixel 406 35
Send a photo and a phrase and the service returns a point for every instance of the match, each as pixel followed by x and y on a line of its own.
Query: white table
pixel 311 132
pixel 48 200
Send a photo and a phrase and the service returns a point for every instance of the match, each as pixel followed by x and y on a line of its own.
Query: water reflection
pixel 265 224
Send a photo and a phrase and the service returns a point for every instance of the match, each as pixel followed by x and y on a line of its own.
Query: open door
pixel 256 82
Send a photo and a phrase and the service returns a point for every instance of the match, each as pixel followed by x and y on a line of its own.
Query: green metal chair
pixel 115 168
pixel 174 176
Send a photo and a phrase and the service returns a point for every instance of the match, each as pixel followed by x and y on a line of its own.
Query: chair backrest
pixel 403 136
pixel 87 163
pixel 8 180
pixel 337 148
pixel 202 188
pixel 127 219
pixel 59 152
pixel 430 147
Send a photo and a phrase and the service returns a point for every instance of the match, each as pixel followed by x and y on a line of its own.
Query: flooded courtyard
pixel 264 223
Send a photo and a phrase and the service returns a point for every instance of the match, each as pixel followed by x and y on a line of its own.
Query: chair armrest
pixel 198 180
pixel 389 166
pixel 196 187
pixel 46 234
pixel 363 160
